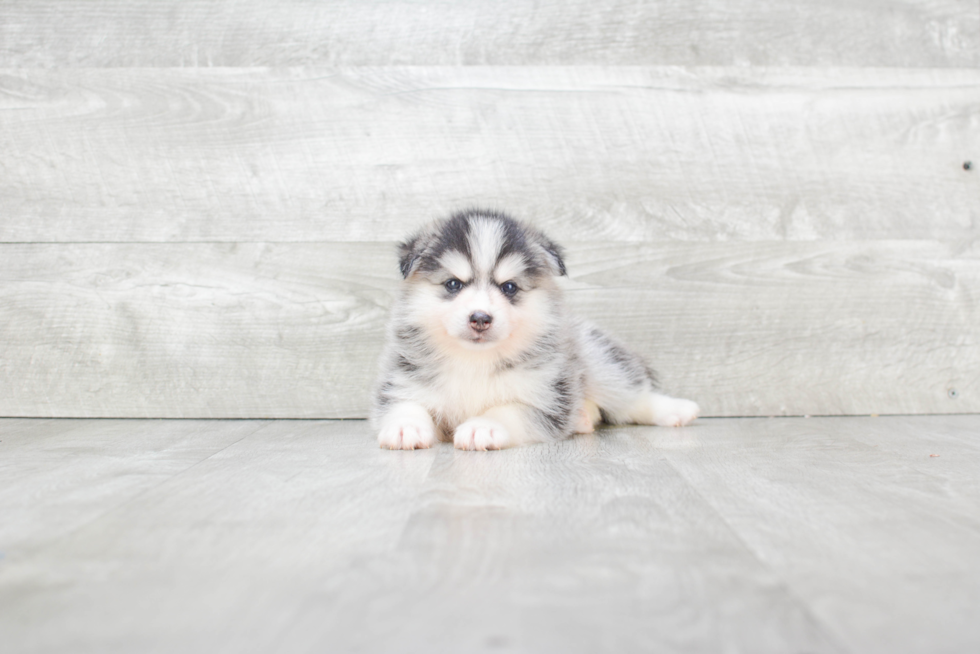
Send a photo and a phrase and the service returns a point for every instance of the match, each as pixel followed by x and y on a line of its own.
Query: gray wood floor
pixel 751 535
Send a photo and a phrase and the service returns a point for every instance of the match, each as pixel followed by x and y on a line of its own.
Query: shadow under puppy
pixel 482 350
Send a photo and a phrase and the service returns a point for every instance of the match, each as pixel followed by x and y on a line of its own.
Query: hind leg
pixel 588 417
pixel 620 384
pixel 652 408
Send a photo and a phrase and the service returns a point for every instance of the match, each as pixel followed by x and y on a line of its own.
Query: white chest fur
pixel 465 389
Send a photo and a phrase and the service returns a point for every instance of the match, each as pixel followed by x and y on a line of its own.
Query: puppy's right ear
pixel 410 255
pixel 554 253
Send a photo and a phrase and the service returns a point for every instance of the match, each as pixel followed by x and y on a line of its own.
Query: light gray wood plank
pixel 295 33
pixel 837 328
pixel 236 543
pixel 819 535
pixel 610 153
pixel 596 544
pixel 19 433
pixel 943 450
pixel 293 330
pixel 878 542
pixel 9 427
pixel 308 537
pixel 235 330
pixel 65 474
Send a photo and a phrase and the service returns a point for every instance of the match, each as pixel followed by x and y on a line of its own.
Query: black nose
pixel 480 321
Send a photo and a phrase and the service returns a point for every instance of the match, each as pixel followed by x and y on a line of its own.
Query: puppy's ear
pixel 554 254
pixel 410 255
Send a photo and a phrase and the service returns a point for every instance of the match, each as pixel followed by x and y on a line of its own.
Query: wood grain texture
pixel 608 153
pixel 293 330
pixel 786 535
pixel 318 506
pixel 295 33
pixel 78 471
pixel 853 327
pixel 238 330
pixel 874 495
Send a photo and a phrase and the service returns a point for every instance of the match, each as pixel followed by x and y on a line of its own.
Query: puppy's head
pixel 481 281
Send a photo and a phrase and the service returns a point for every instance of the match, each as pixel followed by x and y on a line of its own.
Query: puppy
pixel 482 351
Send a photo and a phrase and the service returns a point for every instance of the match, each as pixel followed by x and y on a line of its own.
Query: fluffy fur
pixel 482 351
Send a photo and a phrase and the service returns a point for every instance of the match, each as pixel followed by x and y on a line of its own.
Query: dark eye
pixel 509 289
pixel 453 285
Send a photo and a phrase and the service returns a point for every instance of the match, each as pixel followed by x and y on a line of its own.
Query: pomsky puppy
pixel 482 351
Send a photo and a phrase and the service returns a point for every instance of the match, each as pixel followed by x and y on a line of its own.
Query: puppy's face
pixel 481 281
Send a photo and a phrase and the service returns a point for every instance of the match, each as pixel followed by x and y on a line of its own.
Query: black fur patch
pixel 651 375
pixel 408 333
pixel 632 365
pixel 513 238
pixel 451 236
pixel 383 395
pixel 558 419
pixel 423 250
pixel 405 365
pixel 620 355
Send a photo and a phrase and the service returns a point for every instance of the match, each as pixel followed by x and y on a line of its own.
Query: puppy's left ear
pixel 554 253
pixel 408 257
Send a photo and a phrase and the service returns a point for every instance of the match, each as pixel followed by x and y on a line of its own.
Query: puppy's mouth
pixel 479 339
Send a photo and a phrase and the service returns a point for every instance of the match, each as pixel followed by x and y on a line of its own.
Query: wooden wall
pixel 199 200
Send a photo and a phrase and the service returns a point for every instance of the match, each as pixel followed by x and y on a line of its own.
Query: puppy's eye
pixel 453 285
pixel 509 289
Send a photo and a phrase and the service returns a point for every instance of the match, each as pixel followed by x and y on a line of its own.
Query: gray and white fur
pixel 482 351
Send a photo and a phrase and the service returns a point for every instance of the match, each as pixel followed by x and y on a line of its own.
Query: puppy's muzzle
pixel 480 321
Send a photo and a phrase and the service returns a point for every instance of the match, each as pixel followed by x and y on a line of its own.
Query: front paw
pixel 410 428
pixel 481 434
